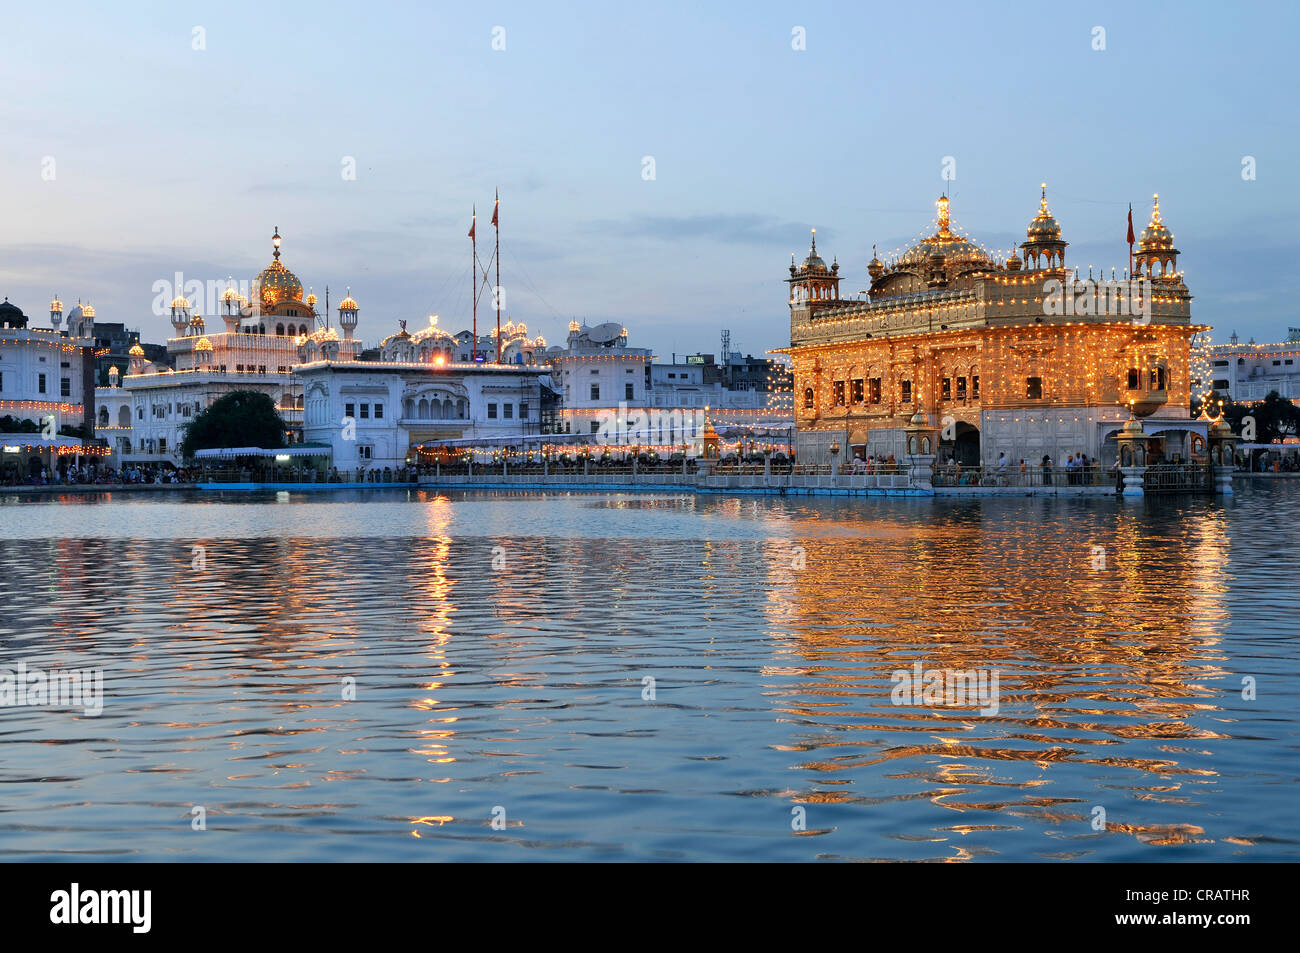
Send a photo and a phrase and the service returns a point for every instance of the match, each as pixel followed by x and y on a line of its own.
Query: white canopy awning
pixel 230 453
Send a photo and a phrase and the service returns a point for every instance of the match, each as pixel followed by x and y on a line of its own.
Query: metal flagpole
pixel 473 354
pixel 496 292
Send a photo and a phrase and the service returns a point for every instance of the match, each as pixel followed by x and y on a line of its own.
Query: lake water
pixel 651 676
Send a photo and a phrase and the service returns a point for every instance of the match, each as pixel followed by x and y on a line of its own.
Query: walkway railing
pixel 304 475
pixel 1177 478
pixel 1031 475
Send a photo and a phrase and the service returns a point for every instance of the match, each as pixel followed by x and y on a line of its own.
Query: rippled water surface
pixel 501 648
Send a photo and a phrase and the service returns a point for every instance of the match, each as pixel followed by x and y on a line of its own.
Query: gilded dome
pixel 814 262
pixel 1156 235
pixel 277 283
pixel 203 344
pixel 87 311
pixel 56 305
pixel 1044 227
pixel 180 301
pixel 349 304
pixel 958 253
pixel 136 351
pixel 230 294
pixel 432 331
pixel 401 335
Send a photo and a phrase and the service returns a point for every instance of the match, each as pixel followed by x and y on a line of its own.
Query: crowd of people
pixel 95 475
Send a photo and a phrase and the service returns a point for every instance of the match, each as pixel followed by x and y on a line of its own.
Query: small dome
pixel 56 305
pixel 230 294
pixel 196 321
pixel 311 298
pixel 574 326
pixel 136 351
pixel 87 311
pixel 1044 227
pixel 203 344
pixel 349 304
pixel 1156 236
pixel 113 371
pixel 178 302
pixel 814 262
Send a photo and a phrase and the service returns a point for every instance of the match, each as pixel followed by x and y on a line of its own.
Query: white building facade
pixel 1250 372
pixel 372 413
pixel 144 415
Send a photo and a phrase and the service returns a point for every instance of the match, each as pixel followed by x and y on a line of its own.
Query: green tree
pixel 244 418
pixel 1275 418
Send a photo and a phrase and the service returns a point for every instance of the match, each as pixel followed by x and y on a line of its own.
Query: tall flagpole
pixel 1130 241
pixel 496 292
pixel 473 354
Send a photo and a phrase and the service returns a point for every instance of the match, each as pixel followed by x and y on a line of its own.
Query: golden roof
pixel 1044 227
pixel 56 305
pixel 180 301
pixel 230 294
pixel 87 311
pixel 136 351
pixel 277 283
pixel 349 304
pixel 203 344
pixel 1156 236
pixel 956 250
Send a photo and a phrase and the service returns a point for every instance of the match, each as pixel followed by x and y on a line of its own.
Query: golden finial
pixel 275 241
pixel 1155 209
pixel 944 218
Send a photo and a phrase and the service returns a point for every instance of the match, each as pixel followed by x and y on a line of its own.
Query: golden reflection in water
pixel 431 594
pixel 1088 657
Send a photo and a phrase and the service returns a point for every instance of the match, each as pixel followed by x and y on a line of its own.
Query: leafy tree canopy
pixel 245 418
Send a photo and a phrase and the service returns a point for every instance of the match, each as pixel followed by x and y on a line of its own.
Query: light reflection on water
pixel 499 642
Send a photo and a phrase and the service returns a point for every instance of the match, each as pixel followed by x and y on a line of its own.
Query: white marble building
pixel 371 413
pixel 261 341
pixel 47 371
pixel 1250 372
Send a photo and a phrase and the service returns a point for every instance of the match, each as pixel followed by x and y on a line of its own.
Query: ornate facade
pixel 144 413
pixel 1018 357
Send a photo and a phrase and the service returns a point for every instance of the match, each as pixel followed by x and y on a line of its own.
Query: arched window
pixel 103 416
pixel 279 330
pixel 808 397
